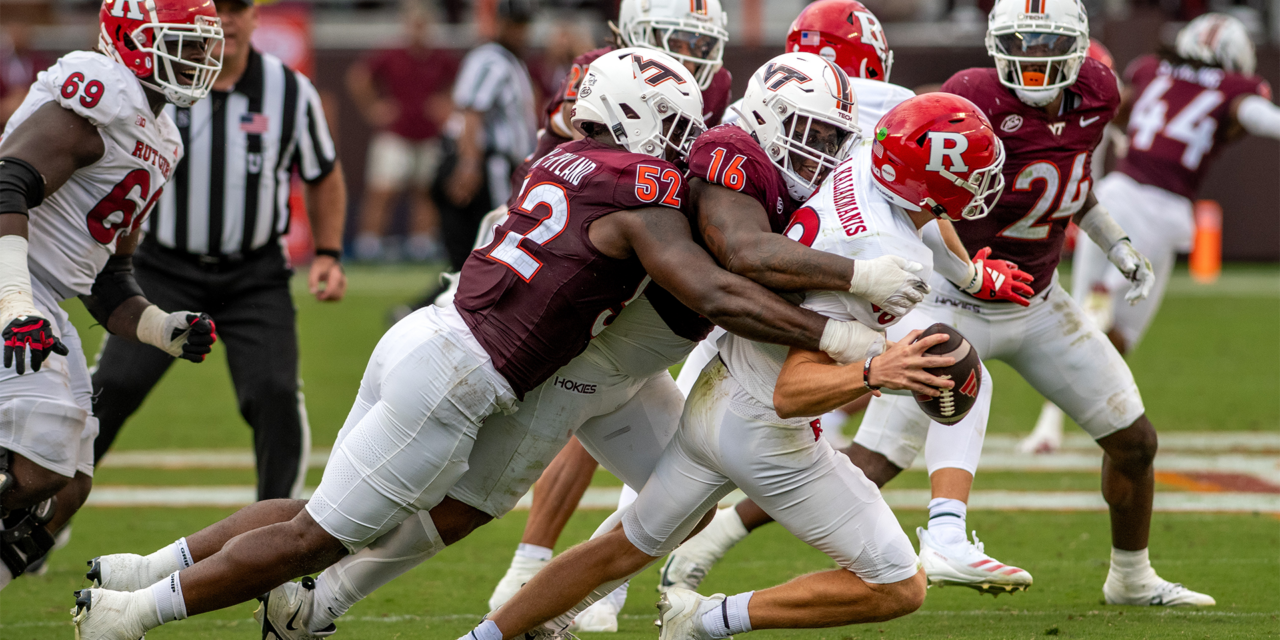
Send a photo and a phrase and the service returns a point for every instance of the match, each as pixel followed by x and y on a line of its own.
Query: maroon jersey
pixel 1179 121
pixel 1046 167
pixel 714 102
pixel 728 156
pixel 540 290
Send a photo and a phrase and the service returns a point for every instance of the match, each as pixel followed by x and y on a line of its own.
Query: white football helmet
pixel 1038 46
pixel 648 100
pixel 803 112
pixel 691 31
pixel 1220 40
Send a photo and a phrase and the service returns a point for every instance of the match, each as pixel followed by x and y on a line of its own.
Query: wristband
pixel 866 374
pixel 336 254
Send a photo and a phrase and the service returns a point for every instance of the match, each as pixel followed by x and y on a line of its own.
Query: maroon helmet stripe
pixel 842 82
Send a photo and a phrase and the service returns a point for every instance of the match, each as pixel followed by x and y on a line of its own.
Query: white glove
pixel 848 342
pixel 181 334
pixel 1136 267
pixel 889 282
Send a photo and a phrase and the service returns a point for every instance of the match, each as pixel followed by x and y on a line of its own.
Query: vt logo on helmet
pixel 691 31
pixel 1038 46
pixel 802 111
pixel 1220 40
pixel 648 101
pixel 172 46
pixel 938 152
pixel 846 33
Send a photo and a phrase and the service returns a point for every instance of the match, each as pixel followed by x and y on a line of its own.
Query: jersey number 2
pixel 509 251
pixel 118 210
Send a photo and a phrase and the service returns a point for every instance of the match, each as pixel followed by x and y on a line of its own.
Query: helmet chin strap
pixel 1037 97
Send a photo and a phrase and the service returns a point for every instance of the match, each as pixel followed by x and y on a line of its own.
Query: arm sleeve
pixel 946 263
pixel 1258 116
pixel 314 153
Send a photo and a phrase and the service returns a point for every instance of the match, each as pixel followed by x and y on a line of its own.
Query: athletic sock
pixel 728 618
pixel 946 521
pixel 167 594
pixel 1131 567
pixel 488 630
pixel 533 552
pixel 174 557
pixel 726 529
pixel 328 604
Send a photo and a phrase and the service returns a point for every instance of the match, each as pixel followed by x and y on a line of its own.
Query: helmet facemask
pixel 806 143
pixel 699 47
pixel 1037 64
pixel 183 81
pixel 672 139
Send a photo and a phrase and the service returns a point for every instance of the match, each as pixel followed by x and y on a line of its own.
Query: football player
pixel 82 162
pixel 748 422
pixel 1181 108
pixel 953 450
pixel 526 305
pixel 1049 104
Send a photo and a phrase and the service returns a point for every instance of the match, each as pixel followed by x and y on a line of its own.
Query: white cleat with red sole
pixel 967 565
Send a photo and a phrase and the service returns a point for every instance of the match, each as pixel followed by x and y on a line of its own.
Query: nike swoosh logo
pixel 289 625
pixel 1084 122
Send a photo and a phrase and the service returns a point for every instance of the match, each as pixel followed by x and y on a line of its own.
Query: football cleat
pixel 122 572
pixel 1155 593
pixel 285 610
pixel 680 614
pixel 688 565
pixel 602 616
pixel 967 565
pixel 1046 437
pixel 101 614
pixel 521 571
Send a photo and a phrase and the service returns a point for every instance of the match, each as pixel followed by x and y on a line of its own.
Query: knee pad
pixel 24 539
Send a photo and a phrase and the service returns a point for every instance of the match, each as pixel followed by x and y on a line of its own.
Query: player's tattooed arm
pixel 55 142
pixel 736 231
pixel 661 238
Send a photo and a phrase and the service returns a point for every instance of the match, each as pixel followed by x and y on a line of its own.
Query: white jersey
pixel 848 217
pixel 875 99
pixel 74 231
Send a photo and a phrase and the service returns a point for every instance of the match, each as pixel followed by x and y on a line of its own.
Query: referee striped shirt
pixel 493 81
pixel 230 193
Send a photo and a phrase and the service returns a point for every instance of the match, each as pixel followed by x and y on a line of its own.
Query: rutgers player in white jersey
pixel 1181 109
pixel 953 451
pixel 82 161
pixel 749 421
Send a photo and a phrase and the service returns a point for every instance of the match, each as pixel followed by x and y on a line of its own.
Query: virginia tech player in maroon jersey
pixel 1046 173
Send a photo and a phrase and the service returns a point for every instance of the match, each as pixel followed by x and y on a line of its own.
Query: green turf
pixel 1230 556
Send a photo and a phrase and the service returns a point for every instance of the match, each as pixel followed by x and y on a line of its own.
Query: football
pixel 954 403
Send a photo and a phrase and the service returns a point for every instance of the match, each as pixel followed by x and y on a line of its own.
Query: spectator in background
pixel 492 129
pixel 402 94
pixel 18 65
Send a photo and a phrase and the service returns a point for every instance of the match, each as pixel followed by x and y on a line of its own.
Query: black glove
pixel 200 332
pixel 30 334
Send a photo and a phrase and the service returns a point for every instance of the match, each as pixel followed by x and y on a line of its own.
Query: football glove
pixel 1136 267
pixel 30 334
pixel 182 334
pixel 995 279
pixel 889 282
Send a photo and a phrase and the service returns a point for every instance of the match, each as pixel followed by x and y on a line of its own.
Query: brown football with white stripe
pixel 954 403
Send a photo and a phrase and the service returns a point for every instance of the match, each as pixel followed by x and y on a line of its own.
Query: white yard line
pixel 607 498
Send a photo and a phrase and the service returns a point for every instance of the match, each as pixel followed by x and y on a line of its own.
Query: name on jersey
pixel 148 153
pixel 847 205
pixel 568 166
pixel 1207 77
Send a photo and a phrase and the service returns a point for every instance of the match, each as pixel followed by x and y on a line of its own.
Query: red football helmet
pixel 148 37
pixel 1099 52
pixel 938 152
pixel 845 33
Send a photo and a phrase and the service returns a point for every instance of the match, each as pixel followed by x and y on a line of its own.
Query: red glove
pixel 1000 279
pixel 33 335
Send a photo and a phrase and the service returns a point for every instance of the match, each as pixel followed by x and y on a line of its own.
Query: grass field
pixel 1207 367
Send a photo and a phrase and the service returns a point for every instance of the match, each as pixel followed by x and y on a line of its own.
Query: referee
pixel 213 243
pixel 493 128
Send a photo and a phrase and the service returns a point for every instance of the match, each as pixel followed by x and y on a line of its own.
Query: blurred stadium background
pixel 1207 370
